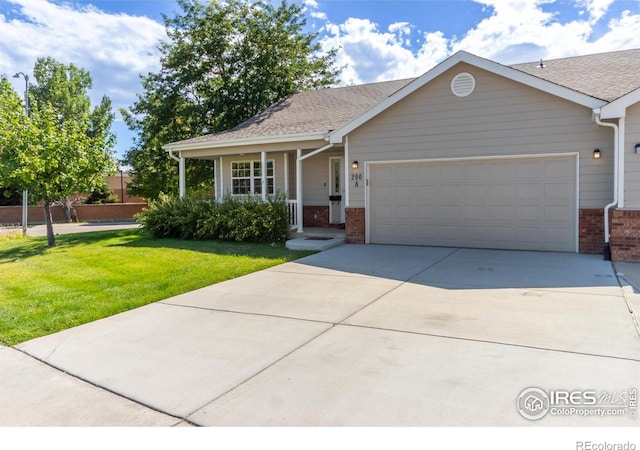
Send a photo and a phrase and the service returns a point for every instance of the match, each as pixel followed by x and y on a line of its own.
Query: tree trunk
pixel 69 211
pixel 51 238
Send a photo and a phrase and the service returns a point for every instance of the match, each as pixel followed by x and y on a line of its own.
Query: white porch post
pixel 263 172
pixel 286 174
pixel 181 172
pixel 221 181
pixel 299 188
pixel 215 179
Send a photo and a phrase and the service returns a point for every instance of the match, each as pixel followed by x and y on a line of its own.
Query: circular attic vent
pixel 463 84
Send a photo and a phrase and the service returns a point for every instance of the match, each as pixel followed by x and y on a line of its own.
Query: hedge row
pixel 246 219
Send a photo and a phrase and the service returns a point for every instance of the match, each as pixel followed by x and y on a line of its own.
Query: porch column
pixel 215 179
pixel 181 172
pixel 263 172
pixel 220 181
pixel 299 189
pixel 286 175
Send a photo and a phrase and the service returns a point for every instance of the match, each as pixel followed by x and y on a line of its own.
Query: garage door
pixel 511 203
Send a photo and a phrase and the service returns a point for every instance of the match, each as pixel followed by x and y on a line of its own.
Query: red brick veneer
pixel 355 225
pixel 625 235
pixel 315 216
pixel 591 231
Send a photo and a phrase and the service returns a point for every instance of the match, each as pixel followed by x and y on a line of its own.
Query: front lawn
pixel 93 275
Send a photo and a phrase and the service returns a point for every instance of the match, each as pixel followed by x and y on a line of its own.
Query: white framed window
pixel 246 177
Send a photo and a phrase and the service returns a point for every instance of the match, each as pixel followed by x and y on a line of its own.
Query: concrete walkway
pixel 357 335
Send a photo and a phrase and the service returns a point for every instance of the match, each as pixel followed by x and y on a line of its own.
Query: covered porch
pixel 312 176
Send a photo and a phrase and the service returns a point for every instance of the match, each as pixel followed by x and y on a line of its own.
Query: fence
pixel 12 215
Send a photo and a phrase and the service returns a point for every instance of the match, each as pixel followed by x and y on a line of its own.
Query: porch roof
pixel 308 115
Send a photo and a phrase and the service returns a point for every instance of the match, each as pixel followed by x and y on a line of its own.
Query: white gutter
pixel 315 152
pixel 616 176
pixel 181 172
pixel 260 140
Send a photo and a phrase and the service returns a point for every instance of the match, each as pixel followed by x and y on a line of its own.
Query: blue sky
pixel 376 40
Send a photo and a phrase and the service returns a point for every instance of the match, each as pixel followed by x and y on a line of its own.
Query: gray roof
pixel 318 111
pixel 604 76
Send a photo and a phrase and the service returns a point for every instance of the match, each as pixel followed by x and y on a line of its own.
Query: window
pixel 246 177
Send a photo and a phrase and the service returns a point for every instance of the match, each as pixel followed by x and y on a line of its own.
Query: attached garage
pixel 524 203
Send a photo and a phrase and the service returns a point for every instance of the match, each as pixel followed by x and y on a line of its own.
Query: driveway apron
pixel 369 335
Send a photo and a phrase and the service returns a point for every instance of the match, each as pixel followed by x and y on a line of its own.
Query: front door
pixel 336 190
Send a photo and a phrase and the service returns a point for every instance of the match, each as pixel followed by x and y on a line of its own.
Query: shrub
pixel 101 194
pixel 247 219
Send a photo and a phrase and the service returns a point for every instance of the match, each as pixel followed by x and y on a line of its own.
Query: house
pixel 538 156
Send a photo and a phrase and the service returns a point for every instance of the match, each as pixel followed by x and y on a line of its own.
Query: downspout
pixel 616 150
pixel 182 183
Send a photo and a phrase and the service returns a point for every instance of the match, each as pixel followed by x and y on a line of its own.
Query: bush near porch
pixel 240 219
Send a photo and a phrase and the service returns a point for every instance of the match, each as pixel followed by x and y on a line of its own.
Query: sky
pixel 116 40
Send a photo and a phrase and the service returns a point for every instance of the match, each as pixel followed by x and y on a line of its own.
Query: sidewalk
pixel 44 396
pixel 629 272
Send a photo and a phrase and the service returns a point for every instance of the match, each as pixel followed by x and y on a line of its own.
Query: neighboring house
pixel 472 154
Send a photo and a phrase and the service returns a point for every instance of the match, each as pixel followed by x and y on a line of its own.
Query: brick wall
pixel 625 235
pixel 12 215
pixel 315 216
pixel 591 231
pixel 355 225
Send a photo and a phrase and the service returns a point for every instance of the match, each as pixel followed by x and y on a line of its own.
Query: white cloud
pixel 366 53
pixel 319 15
pixel 511 31
pixel 596 8
pixel 115 48
pixel 520 31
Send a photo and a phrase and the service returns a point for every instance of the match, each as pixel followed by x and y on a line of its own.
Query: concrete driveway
pixel 356 335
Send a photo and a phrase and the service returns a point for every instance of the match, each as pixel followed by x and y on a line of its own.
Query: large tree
pixel 64 88
pixel 222 63
pixel 46 154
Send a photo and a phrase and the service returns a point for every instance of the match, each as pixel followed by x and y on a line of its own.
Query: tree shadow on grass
pixel 137 238
pixel 252 250
pixel 21 249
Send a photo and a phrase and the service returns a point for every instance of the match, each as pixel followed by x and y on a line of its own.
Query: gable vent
pixel 463 84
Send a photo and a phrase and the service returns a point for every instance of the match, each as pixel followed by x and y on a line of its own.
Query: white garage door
pixel 511 203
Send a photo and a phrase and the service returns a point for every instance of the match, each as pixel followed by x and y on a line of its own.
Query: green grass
pixel 93 275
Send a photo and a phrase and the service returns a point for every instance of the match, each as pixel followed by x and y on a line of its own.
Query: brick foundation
pixel 355 225
pixel 625 235
pixel 315 216
pixel 591 231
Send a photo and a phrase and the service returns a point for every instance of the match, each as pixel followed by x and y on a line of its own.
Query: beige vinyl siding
pixel 631 159
pixel 500 118
pixel 315 178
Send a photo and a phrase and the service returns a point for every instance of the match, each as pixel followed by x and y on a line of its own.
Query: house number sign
pixel 357 179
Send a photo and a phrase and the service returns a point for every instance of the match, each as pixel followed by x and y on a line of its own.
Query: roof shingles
pixel 605 76
pixel 318 111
